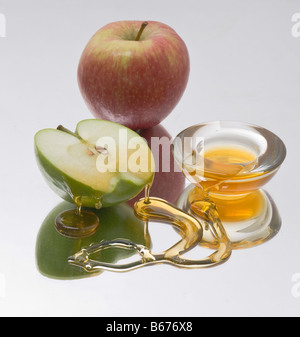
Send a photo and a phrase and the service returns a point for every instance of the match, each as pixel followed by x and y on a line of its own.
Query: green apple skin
pixel 53 249
pixel 68 188
pixel 134 83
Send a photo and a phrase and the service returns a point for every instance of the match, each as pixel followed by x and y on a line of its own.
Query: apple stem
pixel 61 128
pixel 91 150
pixel 143 26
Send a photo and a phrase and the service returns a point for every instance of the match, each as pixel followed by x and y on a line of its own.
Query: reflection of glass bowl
pixel 230 162
pixel 260 153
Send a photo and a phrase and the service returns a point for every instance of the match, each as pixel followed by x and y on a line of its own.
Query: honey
pixel 228 178
pixel 190 229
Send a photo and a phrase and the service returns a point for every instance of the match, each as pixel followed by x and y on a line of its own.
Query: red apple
pixel 133 73
pixel 168 184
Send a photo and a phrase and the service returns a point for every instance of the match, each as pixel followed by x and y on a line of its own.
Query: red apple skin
pixel 134 83
pixel 166 185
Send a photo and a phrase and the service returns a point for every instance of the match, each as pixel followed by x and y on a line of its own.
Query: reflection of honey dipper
pixel 159 210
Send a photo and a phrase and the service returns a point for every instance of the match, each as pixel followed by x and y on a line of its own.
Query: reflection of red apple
pixel 166 185
pixel 136 83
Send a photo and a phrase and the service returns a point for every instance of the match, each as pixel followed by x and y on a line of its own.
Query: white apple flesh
pixel 81 171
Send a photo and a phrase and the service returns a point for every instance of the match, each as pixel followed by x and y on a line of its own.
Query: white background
pixel 244 66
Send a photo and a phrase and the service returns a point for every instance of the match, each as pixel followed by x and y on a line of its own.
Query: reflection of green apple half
pixel 101 164
pixel 53 249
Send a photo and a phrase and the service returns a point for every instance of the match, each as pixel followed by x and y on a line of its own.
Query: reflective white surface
pixel 244 66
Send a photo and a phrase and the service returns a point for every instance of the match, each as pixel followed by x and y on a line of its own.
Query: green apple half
pixel 102 164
